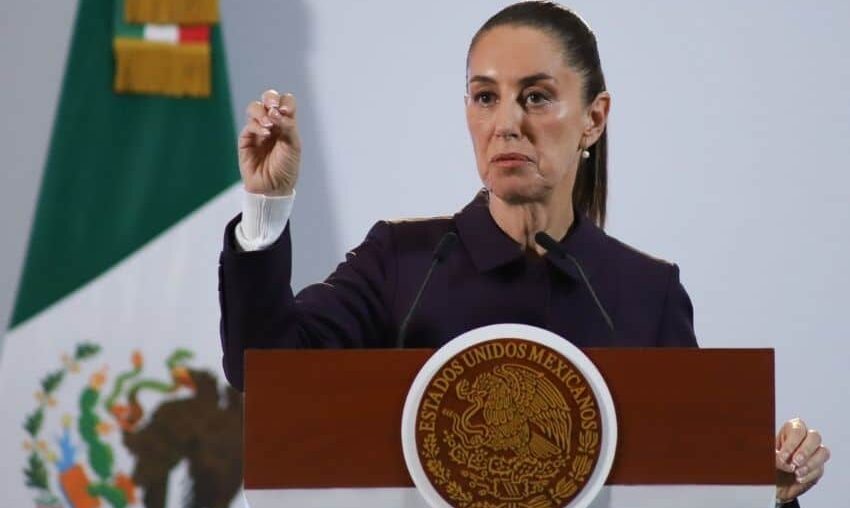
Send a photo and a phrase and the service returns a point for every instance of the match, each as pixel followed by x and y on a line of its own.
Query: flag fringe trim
pixel 181 12
pixel 176 70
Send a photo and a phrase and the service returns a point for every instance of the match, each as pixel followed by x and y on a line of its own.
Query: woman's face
pixel 526 115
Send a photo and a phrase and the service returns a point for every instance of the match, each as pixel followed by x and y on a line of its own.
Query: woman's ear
pixel 597 118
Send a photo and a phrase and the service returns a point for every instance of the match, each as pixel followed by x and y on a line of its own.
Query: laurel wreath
pixel 440 475
pixel 35 472
pixel 564 488
pixel 581 466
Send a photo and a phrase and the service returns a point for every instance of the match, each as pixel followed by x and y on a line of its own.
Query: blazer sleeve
pixel 677 317
pixel 259 310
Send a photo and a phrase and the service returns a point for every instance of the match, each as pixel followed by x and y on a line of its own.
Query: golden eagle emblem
pixel 522 412
pixel 500 426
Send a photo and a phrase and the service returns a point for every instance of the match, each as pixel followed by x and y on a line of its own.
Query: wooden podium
pixel 696 427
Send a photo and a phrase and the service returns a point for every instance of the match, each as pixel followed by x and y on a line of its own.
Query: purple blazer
pixel 486 279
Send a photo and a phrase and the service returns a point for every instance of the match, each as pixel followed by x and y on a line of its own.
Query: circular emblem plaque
pixel 509 416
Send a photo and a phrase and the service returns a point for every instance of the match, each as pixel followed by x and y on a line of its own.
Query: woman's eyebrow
pixel 534 78
pixel 524 82
pixel 486 80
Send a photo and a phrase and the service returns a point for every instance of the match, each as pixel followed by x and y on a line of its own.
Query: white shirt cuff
pixel 263 220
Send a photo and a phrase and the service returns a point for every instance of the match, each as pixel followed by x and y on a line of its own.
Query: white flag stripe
pixel 161 298
pixel 613 496
pixel 162 33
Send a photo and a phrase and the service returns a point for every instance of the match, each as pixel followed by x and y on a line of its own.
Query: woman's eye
pixel 484 98
pixel 536 99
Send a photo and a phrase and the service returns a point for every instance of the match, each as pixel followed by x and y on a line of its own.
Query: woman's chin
pixel 518 193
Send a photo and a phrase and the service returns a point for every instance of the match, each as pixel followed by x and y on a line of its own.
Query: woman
pixel 536 109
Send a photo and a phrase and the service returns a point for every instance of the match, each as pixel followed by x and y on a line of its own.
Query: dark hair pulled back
pixel 579 44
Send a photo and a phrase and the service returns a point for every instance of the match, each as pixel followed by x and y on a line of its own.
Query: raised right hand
pixel 269 146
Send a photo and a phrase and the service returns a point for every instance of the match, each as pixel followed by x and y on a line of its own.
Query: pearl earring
pixel 585 154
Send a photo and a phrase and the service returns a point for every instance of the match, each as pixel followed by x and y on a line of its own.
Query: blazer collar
pixel 490 247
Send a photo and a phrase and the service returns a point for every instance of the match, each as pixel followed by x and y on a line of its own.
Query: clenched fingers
pixel 262 122
pixel 253 134
pixel 257 112
pixel 284 122
pixel 280 110
pixel 811 442
pixel 812 469
pixel 275 113
pixel 285 103
pixel 788 440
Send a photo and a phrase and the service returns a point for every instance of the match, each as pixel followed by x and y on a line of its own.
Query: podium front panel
pixel 330 419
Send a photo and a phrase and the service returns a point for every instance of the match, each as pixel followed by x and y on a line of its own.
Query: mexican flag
pixel 110 375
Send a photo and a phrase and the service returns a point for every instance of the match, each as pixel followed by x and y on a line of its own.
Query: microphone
pixel 447 243
pixel 548 243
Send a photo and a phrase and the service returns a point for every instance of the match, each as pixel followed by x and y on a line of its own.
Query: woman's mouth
pixel 510 160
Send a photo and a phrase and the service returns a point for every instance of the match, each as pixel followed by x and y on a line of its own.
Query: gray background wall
pixel 729 135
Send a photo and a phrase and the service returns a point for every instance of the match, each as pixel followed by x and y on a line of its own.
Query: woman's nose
pixel 508 120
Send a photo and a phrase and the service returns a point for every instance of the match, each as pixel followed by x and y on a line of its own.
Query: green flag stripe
pixel 120 168
pixel 124 29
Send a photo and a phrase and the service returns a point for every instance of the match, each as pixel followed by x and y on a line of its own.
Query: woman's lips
pixel 510 160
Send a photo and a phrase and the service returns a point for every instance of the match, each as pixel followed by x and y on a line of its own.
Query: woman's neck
pixel 522 221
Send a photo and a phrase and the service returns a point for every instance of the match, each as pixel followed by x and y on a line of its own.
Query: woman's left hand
pixel 800 459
